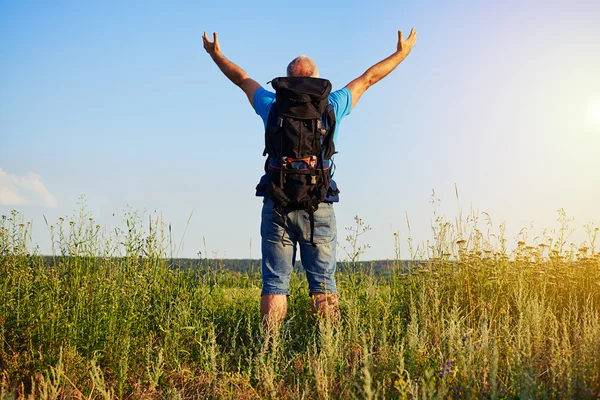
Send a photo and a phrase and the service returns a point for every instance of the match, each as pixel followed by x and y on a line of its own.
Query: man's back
pixel 340 101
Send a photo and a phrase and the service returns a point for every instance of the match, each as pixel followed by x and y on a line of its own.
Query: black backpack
pixel 299 144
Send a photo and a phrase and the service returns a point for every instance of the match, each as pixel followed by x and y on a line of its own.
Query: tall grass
pixel 109 316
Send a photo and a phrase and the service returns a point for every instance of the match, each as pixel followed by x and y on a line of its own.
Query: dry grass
pixel 110 318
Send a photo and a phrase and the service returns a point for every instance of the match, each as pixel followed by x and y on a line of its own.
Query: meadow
pixel 112 316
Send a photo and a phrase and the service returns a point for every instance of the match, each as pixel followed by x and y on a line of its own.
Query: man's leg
pixel 273 308
pixel 320 261
pixel 325 305
pixel 278 252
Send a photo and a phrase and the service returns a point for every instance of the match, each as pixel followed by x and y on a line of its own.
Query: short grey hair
pixel 303 66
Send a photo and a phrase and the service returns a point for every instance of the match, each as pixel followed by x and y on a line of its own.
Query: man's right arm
pixel 380 70
pixel 235 74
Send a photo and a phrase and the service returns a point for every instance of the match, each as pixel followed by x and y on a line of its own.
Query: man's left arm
pixel 380 70
pixel 235 74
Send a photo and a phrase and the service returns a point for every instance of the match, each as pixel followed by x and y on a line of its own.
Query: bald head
pixel 303 66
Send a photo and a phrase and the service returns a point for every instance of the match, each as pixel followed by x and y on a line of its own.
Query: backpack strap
pixel 329 119
pixel 271 126
pixel 311 218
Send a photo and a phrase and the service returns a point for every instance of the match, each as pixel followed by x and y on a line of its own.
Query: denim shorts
pixel 280 239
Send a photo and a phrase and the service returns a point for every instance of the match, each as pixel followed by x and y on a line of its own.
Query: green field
pixel 110 315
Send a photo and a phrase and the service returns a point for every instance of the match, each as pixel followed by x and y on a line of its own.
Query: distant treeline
pixel 247 265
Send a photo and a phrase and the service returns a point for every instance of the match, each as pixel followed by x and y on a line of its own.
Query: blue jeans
pixel 279 240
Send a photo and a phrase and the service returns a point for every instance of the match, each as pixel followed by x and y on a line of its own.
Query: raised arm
pixel 231 71
pixel 380 70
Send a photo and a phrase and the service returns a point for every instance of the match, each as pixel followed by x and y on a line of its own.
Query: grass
pixel 111 317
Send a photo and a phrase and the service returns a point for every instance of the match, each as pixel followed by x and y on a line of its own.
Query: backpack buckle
pixel 310 161
pixel 319 128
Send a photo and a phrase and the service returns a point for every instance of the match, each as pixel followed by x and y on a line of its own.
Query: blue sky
pixel 119 102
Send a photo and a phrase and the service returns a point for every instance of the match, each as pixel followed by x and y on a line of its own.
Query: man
pixel 282 231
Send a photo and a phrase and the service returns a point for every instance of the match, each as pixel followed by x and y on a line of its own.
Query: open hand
pixel 213 47
pixel 405 46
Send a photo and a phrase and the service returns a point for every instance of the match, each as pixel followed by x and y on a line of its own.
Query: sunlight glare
pixel 593 113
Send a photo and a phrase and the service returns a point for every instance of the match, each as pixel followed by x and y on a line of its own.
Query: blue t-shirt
pixel 341 100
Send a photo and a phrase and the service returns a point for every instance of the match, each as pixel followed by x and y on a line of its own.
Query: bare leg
pixel 325 305
pixel 273 308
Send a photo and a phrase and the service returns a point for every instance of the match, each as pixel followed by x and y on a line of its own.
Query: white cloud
pixel 24 190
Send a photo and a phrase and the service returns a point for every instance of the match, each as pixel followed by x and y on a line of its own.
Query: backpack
pixel 299 145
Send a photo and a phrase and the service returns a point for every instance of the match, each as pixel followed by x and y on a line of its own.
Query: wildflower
pixel 446 368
